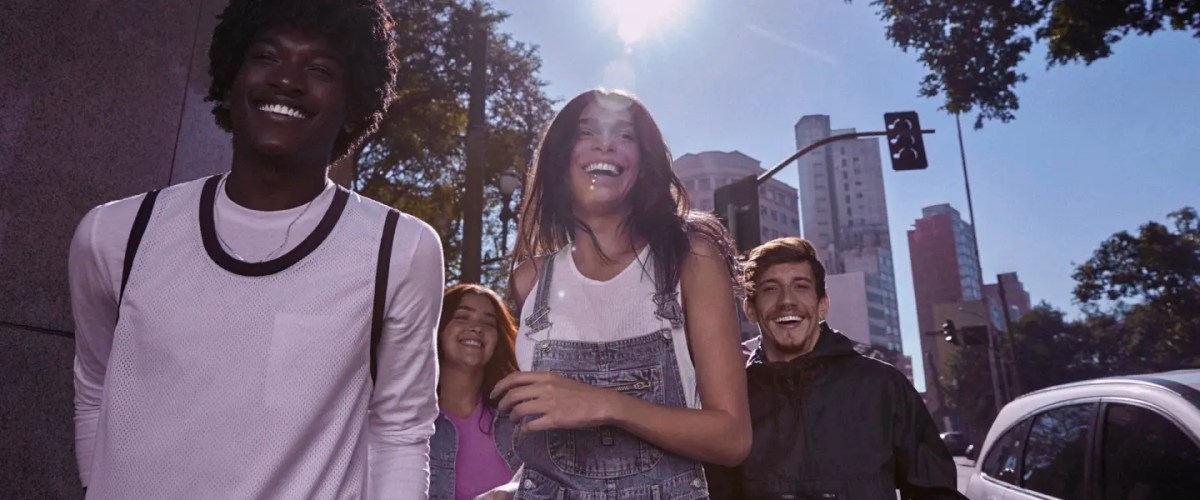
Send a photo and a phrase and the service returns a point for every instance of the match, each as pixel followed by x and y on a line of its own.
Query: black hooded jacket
pixel 836 425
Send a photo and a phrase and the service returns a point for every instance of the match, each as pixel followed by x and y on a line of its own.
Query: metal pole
pixel 999 398
pixel 472 242
pixel 1012 339
pixel 763 177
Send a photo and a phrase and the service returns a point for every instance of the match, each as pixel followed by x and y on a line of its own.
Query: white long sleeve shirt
pixel 204 382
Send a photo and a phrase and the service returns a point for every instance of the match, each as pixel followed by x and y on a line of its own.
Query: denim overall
pixel 605 462
pixel 443 452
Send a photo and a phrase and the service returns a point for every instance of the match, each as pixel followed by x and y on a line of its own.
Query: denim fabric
pixel 443 451
pixel 604 462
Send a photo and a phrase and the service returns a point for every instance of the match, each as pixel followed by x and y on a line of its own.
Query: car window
pixel 1146 457
pixel 1002 460
pixel 1055 451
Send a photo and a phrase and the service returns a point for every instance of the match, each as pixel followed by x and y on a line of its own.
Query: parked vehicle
pixel 1120 438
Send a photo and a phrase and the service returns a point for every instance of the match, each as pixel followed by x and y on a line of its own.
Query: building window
pixel 704 184
pixel 859 195
pixel 690 184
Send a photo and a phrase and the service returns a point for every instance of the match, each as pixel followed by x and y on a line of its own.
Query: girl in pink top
pixel 475 350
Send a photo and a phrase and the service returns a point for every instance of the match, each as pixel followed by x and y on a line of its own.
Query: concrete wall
pixel 848 305
pixel 99 100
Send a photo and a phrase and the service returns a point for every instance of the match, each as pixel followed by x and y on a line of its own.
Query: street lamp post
pixel 508 183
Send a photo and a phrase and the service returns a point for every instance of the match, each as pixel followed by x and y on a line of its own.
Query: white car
pixel 1121 438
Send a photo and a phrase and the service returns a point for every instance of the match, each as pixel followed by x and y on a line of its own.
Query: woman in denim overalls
pixel 475 350
pixel 629 322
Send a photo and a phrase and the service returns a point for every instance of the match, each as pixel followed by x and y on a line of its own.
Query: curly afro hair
pixel 361 30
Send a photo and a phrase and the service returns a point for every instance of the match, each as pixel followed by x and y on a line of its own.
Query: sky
pixel 1093 149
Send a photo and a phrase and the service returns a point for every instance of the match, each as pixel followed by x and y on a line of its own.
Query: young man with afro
pixel 263 333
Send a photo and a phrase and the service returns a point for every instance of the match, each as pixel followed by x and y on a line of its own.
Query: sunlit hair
pixel 658 201
pixel 360 30
pixel 504 357
pixel 781 251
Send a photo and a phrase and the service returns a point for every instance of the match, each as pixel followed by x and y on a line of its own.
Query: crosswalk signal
pixel 905 143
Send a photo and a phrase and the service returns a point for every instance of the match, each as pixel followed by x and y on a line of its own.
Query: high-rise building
pixel 703 173
pixel 944 265
pixel 946 285
pixel 1019 303
pixel 844 211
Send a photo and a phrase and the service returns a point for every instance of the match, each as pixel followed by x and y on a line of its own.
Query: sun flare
pixel 637 18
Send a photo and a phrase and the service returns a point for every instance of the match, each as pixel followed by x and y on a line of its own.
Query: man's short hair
pixel 781 251
pixel 360 30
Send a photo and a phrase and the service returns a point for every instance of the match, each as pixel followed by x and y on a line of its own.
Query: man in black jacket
pixel 829 423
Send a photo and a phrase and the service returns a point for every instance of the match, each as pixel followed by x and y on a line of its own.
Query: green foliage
pixel 972 48
pixel 415 163
pixel 1141 301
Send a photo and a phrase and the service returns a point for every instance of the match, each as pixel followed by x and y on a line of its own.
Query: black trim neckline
pixel 212 244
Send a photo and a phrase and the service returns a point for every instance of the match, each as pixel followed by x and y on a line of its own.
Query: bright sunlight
pixel 637 18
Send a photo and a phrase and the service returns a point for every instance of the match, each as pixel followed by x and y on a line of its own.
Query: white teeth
pixel 471 342
pixel 787 319
pixel 603 167
pixel 280 109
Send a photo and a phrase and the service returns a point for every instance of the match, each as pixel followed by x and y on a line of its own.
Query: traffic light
pixel 965 336
pixel 736 204
pixel 950 333
pixel 905 143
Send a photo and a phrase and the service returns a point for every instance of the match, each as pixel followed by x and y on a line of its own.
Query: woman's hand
pixel 555 402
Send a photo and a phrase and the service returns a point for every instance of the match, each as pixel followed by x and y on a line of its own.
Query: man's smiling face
pixel 788 310
pixel 289 97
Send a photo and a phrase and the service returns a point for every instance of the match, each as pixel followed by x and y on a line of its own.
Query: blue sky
pixel 1093 150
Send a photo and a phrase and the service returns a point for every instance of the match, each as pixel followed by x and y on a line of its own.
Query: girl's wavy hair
pixel 659 209
pixel 360 30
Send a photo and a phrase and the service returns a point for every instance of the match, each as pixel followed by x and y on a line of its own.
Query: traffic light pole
pixel 763 177
pixel 999 400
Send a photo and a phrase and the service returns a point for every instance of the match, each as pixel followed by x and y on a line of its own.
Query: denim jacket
pixel 443 451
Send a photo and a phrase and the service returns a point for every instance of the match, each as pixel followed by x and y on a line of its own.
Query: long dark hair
pixel 659 203
pixel 504 358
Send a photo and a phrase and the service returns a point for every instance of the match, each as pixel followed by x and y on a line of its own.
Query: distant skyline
pixel 1093 150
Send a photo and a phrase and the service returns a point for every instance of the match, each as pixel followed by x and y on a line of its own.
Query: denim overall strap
pixel 540 318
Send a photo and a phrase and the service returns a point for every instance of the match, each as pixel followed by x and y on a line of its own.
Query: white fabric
pixel 587 310
pixel 259 390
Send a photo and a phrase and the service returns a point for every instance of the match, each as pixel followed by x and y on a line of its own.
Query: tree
pixel 415 162
pixel 1150 284
pixel 1140 296
pixel 972 48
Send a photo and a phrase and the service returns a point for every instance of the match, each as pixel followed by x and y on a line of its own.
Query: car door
pixel 1055 460
pixel 1146 454
pixel 1042 457
pixel 999 465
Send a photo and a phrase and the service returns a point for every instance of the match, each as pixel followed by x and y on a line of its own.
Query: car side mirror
pixel 972 452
